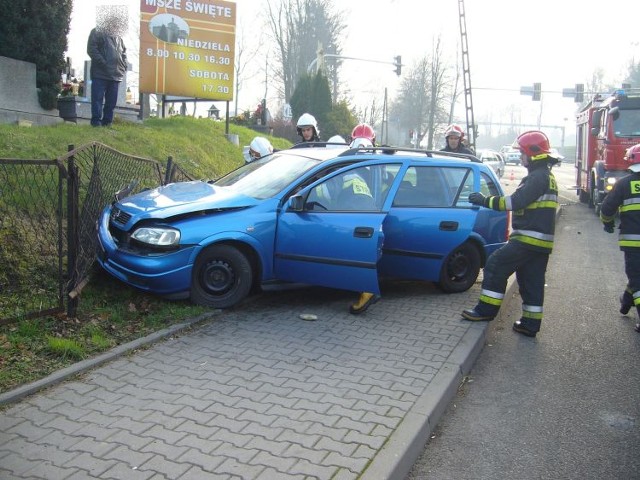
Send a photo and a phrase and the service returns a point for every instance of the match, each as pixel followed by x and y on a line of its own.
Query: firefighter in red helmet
pixel 363 136
pixel 533 206
pixel 625 200
pixel 454 136
pixel 363 130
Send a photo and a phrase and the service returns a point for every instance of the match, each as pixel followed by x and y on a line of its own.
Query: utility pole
pixel 466 73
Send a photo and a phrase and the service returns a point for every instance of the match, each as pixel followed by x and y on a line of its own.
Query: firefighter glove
pixel 478 199
pixel 609 226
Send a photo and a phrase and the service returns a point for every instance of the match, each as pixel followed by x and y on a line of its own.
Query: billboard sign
pixel 187 48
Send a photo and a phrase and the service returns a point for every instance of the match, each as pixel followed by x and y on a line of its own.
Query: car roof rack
pixel 389 150
pixel 317 145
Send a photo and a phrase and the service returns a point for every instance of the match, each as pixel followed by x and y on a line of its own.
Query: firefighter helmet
pixel 364 131
pixel 533 144
pixel 336 142
pixel 261 146
pixel 633 157
pixel 307 120
pixel 453 131
pixel 361 142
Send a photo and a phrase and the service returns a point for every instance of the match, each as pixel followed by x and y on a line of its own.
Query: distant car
pixel 493 159
pixel 320 216
pixel 512 156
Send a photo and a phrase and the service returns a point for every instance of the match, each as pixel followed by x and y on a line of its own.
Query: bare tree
pixel 298 27
pixel 423 100
pixel 244 58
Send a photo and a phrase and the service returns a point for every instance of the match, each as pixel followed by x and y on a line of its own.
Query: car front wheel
pixel 222 277
pixel 460 269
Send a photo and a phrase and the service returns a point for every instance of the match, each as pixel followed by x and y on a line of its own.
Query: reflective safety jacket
pixel 533 207
pixel 625 199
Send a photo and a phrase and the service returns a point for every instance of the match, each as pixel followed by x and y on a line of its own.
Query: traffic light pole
pixel 396 63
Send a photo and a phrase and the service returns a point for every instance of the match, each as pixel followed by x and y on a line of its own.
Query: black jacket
pixel 108 56
pixel 533 206
pixel 625 198
pixel 461 149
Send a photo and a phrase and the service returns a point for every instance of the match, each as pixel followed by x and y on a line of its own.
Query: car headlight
pixel 160 236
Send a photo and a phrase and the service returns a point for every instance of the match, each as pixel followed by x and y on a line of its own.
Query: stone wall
pixel 19 98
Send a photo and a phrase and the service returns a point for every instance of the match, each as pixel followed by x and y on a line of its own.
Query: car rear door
pixel 330 234
pixel 429 217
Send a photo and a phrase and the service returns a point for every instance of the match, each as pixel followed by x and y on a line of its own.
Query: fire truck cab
pixel 605 128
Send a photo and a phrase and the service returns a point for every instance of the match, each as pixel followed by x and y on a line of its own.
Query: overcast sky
pixel 511 44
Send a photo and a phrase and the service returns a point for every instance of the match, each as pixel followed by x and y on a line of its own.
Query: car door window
pixel 358 189
pixel 487 187
pixel 428 186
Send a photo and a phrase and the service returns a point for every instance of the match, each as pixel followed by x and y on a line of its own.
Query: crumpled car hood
pixel 181 198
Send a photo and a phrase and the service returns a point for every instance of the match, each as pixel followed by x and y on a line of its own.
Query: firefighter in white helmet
pixel 454 136
pixel 625 200
pixel 258 148
pixel 307 128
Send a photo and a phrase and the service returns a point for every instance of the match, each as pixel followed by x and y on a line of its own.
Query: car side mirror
pixel 296 203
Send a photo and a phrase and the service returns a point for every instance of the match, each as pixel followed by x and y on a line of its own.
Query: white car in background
pixel 493 159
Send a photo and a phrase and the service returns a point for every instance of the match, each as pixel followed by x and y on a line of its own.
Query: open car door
pixel 331 233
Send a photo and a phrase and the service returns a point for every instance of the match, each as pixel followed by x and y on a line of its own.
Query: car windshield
pixel 266 177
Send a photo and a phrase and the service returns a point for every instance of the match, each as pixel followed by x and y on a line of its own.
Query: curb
pixel 90 363
pixel 407 442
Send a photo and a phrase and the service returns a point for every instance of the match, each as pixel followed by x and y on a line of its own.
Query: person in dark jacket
pixel 108 64
pixel 625 199
pixel 454 137
pixel 533 206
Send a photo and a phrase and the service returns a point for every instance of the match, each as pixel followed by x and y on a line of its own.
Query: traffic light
pixel 579 97
pixel 537 92
pixel 398 64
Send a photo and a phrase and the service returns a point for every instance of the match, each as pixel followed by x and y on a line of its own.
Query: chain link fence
pixel 48 210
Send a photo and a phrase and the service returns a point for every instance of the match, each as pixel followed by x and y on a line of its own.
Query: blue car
pixel 322 216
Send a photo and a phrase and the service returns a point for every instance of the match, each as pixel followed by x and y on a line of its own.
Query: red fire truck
pixel 605 128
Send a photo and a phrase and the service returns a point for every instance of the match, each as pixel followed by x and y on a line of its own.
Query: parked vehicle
pixel 512 156
pixel 494 160
pixel 320 216
pixel 605 128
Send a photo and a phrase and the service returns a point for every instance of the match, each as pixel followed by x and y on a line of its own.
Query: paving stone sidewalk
pixel 255 393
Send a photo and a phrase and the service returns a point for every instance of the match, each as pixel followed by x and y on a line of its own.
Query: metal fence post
pixel 169 172
pixel 72 233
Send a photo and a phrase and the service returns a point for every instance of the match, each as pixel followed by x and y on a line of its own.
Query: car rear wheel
pixel 222 277
pixel 460 269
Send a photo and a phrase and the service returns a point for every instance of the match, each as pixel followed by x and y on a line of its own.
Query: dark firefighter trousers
pixel 632 269
pixel 530 267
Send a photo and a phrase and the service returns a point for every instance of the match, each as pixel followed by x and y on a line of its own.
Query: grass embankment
pixel 110 313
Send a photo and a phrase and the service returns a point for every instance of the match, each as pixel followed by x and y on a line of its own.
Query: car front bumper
pixel 163 273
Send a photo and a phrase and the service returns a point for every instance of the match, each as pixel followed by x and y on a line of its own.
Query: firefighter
pixel 454 136
pixel 625 199
pixel 307 128
pixel 363 136
pixel 533 207
pixel 364 130
pixel 258 148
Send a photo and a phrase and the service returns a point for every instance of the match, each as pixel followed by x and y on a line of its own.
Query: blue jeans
pixel 103 91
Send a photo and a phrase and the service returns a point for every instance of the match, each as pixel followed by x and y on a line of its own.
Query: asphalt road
pixel 565 405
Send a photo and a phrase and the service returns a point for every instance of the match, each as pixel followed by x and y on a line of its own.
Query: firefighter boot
pixel 479 313
pixel 365 301
pixel 626 302
pixel 637 329
pixel 527 326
